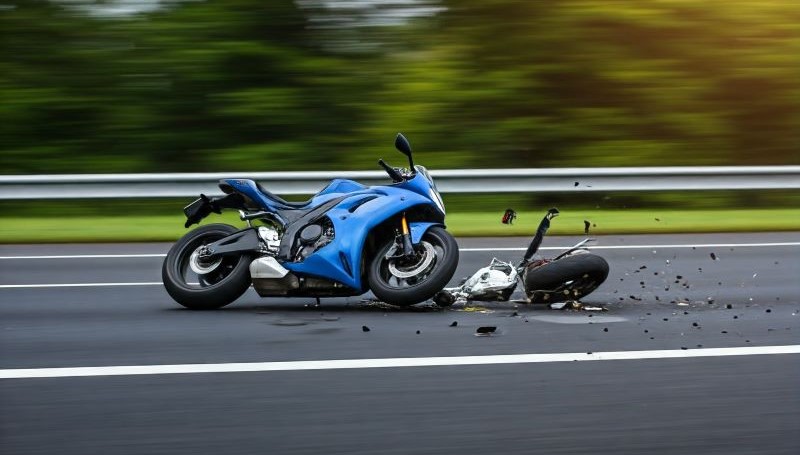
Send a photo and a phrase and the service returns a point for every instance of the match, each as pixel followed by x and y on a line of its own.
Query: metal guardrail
pixel 86 186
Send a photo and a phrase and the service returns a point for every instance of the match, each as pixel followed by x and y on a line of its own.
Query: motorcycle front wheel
pixel 406 281
pixel 204 284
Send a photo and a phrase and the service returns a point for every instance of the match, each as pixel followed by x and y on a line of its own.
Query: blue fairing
pixel 362 209
pixel 340 260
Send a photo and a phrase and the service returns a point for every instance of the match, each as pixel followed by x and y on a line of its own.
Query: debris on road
pixel 509 216
pixel 454 324
pixel 485 331
pixel 364 328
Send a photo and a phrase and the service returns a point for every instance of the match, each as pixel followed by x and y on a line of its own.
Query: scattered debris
pixel 485 331
pixel 683 304
pixel 657 219
pixel 594 308
pixel 576 183
pixel 605 329
pixel 769 311
pixel 729 306
pixel 417 332
pixel 713 256
pixel 330 318
pixel 509 216
pixel 454 324
pixel 364 328
pixel 558 305
pixel 694 324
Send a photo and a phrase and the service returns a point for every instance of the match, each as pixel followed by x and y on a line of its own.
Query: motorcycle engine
pixel 271 238
pixel 313 237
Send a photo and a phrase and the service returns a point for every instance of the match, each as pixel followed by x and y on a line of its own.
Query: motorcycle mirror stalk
pixel 402 144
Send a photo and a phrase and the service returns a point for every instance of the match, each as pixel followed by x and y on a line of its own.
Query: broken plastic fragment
pixel 454 324
pixel 509 216
pixel 713 256
pixel 364 328
pixel 485 331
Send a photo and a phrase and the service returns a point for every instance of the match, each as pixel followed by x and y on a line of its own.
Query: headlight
pixel 437 199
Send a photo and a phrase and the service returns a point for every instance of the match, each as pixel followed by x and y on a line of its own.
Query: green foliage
pixel 281 85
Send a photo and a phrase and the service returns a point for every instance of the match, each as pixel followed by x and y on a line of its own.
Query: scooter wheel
pixel 568 278
pixel 208 285
pixel 400 281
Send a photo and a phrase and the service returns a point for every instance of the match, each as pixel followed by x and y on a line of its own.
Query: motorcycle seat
pixel 335 186
pixel 282 202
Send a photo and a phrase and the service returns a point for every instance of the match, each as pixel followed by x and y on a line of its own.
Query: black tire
pixel 568 278
pixel 421 287
pixel 225 283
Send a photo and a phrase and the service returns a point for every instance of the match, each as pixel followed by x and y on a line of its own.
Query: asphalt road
pixel 748 297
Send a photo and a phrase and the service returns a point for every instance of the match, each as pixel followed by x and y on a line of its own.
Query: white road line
pixel 89 256
pixel 389 363
pixel 77 285
pixel 644 247
pixel 559 248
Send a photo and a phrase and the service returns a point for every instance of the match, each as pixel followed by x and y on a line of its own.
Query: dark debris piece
pixel 364 328
pixel 713 256
pixel 577 183
pixel 454 324
pixel 418 332
pixel 509 216
pixel 487 330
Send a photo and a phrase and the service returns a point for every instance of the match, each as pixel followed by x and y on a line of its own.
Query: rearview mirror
pixel 401 143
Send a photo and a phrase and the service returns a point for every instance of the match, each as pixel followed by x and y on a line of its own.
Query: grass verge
pixel 143 228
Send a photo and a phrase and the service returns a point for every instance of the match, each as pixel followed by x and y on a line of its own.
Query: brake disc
pixel 416 269
pixel 200 267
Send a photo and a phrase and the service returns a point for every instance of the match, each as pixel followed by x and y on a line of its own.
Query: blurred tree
pixel 317 84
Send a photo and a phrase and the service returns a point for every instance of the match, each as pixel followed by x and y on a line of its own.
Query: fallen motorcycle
pixel 346 240
pixel 571 275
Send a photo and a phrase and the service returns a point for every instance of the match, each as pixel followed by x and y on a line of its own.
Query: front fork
pixel 408 248
pixel 403 247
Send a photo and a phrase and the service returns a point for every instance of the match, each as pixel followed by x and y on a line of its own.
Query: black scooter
pixel 571 275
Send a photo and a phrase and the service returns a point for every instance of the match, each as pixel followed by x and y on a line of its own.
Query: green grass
pixel 141 228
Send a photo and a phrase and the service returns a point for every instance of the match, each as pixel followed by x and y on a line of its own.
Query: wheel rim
pixel 196 272
pixel 402 273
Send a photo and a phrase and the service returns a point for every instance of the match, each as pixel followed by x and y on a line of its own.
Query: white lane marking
pixel 402 362
pixel 591 247
pixel 644 247
pixel 89 256
pixel 77 285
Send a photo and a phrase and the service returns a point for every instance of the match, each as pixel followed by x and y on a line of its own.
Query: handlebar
pixel 393 173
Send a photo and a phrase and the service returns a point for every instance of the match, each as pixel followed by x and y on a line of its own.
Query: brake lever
pixel 396 176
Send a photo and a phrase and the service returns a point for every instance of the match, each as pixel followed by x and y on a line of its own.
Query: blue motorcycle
pixel 346 240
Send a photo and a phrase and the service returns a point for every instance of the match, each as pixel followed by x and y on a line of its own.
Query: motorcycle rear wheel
pixel 220 281
pixel 424 281
pixel 569 278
